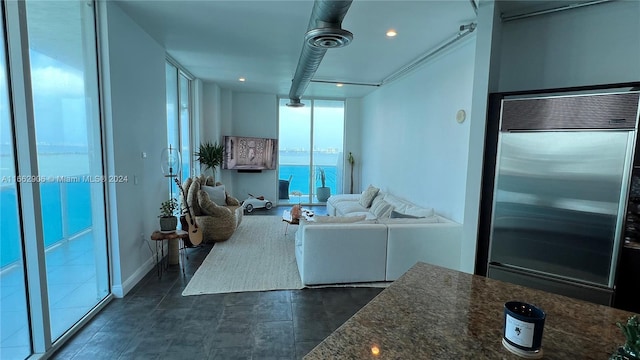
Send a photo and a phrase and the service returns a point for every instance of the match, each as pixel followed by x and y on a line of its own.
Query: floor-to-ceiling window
pixel 179 103
pixel 184 97
pixel 173 123
pixel 310 138
pixel 60 237
pixel 64 85
pixel 328 143
pixel 14 332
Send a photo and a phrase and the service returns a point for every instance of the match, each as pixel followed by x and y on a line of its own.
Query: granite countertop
pixel 436 313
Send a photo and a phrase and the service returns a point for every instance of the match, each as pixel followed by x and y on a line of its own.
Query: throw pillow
pixel 368 195
pixel 379 197
pixel 209 207
pixel 217 194
pixel 398 215
pixel 398 204
pixel 381 209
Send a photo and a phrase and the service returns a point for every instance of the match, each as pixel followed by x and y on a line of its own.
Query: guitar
pixel 195 235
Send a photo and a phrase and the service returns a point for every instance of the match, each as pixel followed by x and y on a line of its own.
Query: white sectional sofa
pixel 369 244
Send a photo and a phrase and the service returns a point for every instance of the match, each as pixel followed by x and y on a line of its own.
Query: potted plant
pixel 631 348
pixel 210 155
pixel 322 192
pixel 168 220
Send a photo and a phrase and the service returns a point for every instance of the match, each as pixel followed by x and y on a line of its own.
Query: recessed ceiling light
pixel 391 33
pixel 242 79
pixel 339 84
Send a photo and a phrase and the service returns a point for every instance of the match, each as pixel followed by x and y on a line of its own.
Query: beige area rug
pixel 258 257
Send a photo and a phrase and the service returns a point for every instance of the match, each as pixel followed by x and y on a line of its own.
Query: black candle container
pixel 523 326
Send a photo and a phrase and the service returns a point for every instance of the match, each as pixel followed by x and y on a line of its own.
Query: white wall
pixel 211 123
pixel 597 44
pixel 198 123
pixel 223 127
pixel 233 113
pixel 135 123
pixel 353 144
pixel 252 115
pixel 412 145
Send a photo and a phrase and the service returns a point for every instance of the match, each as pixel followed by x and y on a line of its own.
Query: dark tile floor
pixel 154 321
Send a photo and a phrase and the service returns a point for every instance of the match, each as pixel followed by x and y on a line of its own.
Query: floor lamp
pixel 171 165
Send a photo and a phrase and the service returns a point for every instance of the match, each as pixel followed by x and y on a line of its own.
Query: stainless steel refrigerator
pixel 560 190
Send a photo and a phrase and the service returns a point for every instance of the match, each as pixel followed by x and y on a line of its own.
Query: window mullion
pixel 311 157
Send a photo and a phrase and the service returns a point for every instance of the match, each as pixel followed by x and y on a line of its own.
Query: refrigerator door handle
pixel 622 208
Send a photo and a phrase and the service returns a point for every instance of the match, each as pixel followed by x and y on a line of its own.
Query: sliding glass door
pixel 328 141
pixel 311 141
pixel 64 85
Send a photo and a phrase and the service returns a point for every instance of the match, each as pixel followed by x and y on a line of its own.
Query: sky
pixel 328 120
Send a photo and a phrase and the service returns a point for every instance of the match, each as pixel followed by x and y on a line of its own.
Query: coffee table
pixel 286 217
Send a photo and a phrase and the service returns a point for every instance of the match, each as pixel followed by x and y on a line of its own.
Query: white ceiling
pixel 261 40
pixel 221 41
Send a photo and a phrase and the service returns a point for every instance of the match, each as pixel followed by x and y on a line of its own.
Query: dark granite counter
pixel 436 313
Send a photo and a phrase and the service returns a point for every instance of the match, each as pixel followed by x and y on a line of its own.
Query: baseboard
pixel 120 291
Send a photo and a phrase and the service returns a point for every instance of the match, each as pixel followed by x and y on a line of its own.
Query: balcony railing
pixel 66 213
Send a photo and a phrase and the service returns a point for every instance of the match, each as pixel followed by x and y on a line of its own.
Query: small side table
pixel 176 242
pixel 286 217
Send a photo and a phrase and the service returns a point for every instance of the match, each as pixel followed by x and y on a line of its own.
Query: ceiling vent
pixel 328 38
pixel 324 32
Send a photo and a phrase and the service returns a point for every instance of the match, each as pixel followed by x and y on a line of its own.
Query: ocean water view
pixel 295 165
pixel 300 178
pixel 67 207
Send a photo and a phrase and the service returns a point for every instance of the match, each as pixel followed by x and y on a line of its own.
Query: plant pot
pixel 168 223
pixel 323 193
pixel 208 171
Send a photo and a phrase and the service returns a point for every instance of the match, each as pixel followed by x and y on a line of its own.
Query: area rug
pixel 258 257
